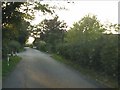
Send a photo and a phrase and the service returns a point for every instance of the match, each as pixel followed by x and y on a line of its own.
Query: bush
pixel 41 45
pixel 109 56
pixel 5 48
pixel 14 46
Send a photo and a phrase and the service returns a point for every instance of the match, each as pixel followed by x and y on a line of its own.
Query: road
pixel 39 70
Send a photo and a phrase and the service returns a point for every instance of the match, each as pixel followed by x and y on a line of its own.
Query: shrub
pixel 41 45
pixel 14 46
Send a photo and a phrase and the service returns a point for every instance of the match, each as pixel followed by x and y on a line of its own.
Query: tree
pixel 11 24
pixel 15 22
pixel 88 45
pixel 52 32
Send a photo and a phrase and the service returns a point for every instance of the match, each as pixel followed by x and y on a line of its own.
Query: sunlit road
pixel 39 70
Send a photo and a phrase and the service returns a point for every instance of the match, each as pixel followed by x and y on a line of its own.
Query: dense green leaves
pixel 41 45
pixel 14 27
pixel 52 32
pixel 87 45
pixel 14 46
pixel 15 17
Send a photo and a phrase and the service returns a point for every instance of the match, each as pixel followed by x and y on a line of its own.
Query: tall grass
pixel 6 69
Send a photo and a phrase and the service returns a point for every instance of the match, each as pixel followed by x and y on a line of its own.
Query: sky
pixel 106 11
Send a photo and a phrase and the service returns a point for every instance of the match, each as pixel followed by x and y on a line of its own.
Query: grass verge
pixel 6 69
pixel 89 73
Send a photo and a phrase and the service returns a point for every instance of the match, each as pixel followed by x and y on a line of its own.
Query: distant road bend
pixel 39 70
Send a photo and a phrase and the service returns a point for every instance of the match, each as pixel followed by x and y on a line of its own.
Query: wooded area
pixel 15 23
pixel 87 43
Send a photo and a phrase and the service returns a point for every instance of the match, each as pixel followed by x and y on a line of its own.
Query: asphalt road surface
pixel 39 70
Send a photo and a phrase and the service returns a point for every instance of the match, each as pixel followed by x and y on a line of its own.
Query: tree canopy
pixel 15 21
pixel 52 32
pixel 86 44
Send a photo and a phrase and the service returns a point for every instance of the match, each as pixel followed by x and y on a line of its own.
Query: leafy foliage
pixel 41 45
pixel 14 46
pixel 15 17
pixel 87 45
pixel 14 27
pixel 52 32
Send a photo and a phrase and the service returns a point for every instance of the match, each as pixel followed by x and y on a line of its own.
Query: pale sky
pixel 106 11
